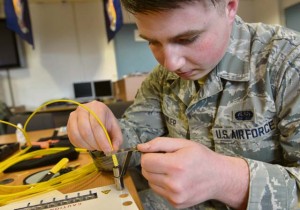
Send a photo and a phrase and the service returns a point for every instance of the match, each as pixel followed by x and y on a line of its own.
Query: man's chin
pixel 190 77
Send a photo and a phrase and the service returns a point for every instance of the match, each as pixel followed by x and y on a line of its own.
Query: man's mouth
pixel 185 74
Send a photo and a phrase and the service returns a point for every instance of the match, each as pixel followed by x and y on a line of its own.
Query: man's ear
pixel 231 8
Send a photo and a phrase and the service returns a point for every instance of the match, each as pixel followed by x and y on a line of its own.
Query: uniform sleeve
pixel 276 186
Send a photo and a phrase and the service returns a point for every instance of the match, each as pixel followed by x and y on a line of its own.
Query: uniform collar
pixel 234 65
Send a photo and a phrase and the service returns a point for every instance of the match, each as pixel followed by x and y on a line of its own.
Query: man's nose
pixel 173 59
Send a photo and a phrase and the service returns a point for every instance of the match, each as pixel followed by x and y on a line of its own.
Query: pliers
pixel 120 171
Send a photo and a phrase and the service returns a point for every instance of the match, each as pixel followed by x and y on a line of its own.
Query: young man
pixel 223 106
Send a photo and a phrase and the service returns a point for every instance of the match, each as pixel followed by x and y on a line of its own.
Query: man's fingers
pixel 153 177
pixel 155 162
pixel 163 144
pixel 99 135
pixel 106 134
pixel 85 129
pixel 116 136
pixel 74 134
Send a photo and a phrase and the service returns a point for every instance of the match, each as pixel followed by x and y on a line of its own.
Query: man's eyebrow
pixel 181 35
pixel 186 34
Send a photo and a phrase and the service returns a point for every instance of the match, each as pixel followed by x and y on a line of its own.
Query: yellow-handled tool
pixel 61 164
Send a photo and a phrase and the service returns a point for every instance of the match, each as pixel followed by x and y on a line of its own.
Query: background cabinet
pixel 125 89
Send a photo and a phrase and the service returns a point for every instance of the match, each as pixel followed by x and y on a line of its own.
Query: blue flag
pixel 113 17
pixel 18 18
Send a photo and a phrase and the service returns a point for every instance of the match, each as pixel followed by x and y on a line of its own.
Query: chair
pixel 5 113
pixel 39 121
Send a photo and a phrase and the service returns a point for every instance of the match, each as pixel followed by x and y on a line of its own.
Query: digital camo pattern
pixel 248 107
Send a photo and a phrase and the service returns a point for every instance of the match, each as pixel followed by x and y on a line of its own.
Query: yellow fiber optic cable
pixel 114 158
pixel 12 193
pixel 20 157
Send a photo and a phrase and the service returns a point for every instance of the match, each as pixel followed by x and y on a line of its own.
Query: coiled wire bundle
pixel 10 194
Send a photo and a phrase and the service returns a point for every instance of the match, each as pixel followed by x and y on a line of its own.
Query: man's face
pixel 189 41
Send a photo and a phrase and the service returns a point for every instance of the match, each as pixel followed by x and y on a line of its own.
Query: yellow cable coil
pixel 13 193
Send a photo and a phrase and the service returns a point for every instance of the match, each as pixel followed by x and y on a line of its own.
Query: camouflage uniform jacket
pixel 249 106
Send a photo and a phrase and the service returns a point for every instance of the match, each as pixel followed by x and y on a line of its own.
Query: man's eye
pixel 152 42
pixel 185 41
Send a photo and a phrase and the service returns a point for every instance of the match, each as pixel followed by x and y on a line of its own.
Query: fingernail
pixel 144 146
pixel 116 145
pixel 106 150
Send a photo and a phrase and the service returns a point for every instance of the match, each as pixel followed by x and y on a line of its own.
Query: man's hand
pixel 187 173
pixel 85 132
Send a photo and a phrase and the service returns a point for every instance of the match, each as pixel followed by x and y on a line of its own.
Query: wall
pixel 267 11
pixel 245 10
pixel 70 46
pixel 132 56
pixel 271 11
pixel 288 3
pixel 292 17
